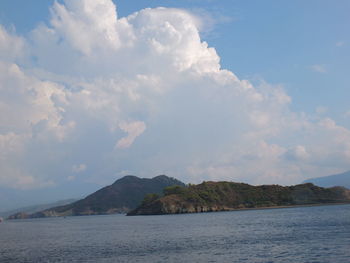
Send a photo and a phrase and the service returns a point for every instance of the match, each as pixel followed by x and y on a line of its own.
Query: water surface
pixel 304 234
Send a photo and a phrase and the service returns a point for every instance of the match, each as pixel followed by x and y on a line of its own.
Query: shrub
pixel 175 189
pixel 149 198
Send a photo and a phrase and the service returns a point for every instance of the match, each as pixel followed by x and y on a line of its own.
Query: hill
pixel 225 196
pixel 122 196
pixel 342 179
pixel 36 208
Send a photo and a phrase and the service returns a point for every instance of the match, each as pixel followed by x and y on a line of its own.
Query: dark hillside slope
pixel 120 197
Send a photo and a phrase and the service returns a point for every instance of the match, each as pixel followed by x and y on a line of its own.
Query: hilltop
pixel 225 196
pixel 122 196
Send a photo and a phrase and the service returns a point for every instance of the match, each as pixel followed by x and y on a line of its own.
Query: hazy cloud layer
pixel 94 95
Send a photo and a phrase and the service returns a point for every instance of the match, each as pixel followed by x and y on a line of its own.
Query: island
pixel 227 196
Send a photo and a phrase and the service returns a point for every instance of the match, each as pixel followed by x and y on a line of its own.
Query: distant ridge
pixel 342 179
pixel 122 196
pixel 36 208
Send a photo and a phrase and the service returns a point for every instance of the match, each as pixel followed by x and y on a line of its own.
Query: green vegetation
pixel 149 198
pixel 219 196
pixel 174 189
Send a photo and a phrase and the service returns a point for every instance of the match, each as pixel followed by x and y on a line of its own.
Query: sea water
pixel 301 234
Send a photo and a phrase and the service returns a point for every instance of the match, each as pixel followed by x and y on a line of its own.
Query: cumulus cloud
pixel 145 94
pixel 87 25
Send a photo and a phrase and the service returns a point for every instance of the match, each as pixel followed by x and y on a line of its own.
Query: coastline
pixel 224 210
pixel 286 206
pixel 245 209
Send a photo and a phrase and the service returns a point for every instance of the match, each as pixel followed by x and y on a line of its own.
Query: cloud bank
pixel 100 96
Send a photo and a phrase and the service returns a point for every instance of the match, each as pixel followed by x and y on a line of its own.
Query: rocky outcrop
pixel 19 215
pixel 225 196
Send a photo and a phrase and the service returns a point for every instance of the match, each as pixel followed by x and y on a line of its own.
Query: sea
pixel 300 234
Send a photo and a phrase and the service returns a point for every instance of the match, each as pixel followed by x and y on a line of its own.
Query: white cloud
pixel 133 129
pixel 87 25
pixel 87 87
pixel 297 153
pixel 29 112
pixel 209 20
pixel 28 104
pixel 11 46
pixel 319 68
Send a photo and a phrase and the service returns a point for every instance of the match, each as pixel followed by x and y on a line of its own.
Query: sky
pixel 248 91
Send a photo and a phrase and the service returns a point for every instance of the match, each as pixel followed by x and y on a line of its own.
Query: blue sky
pixel 87 98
